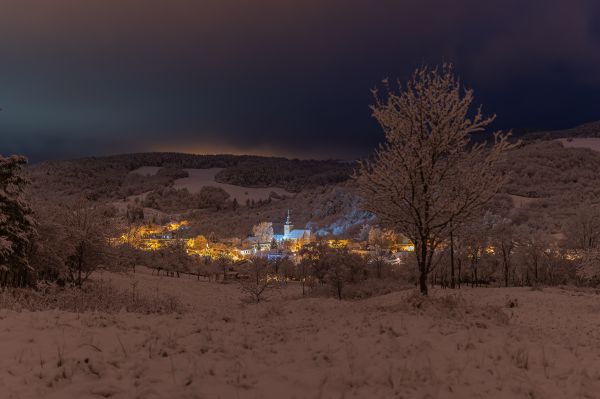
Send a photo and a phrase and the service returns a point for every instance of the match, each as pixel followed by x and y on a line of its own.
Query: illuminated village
pixel 264 242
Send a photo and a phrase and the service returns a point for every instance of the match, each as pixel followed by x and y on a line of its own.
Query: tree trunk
pixel 423 282
pixel 459 271
pixel 506 259
pixel 506 271
pixel 452 260
pixel 422 263
pixel 79 266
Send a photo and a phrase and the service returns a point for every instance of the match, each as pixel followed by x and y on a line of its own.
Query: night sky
pixel 277 77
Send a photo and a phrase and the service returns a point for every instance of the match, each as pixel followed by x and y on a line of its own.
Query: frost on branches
pixel 429 177
pixel 263 232
pixel 588 269
pixel 16 223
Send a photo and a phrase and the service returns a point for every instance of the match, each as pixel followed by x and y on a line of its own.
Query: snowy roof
pixel 297 234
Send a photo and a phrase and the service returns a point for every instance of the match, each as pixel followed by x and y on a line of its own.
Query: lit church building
pixel 291 239
pixel 291 234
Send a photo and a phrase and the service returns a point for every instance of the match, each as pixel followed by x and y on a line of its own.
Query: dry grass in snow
pixel 481 343
pixel 97 296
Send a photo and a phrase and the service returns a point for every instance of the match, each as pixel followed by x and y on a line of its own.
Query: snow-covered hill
pixel 593 143
pixel 198 178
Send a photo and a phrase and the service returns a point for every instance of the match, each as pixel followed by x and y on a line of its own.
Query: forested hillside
pixel 555 178
pixel 109 178
pixel 320 193
pixel 292 174
pixel 550 184
pixel 547 168
pixel 591 129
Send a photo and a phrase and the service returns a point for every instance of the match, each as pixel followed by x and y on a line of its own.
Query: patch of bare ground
pixel 472 343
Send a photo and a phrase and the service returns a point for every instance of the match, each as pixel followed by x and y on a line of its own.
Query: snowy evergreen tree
pixel 17 226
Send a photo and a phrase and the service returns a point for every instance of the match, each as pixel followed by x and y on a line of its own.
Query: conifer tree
pixel 17 226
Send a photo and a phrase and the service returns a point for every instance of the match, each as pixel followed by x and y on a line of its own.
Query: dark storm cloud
pixel 275 76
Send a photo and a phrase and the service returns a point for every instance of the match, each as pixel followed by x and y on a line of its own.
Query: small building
pixel 251 246
pixel 247 251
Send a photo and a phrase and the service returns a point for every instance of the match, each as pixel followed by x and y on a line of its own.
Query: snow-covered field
pixel 147 170
pixel 586 142
pixel 477 343
pixel 199 178
pixel 521 202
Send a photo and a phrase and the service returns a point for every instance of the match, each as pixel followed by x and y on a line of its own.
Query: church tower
pixel 287 227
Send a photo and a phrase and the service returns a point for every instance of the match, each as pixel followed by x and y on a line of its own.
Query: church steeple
pixel 287 227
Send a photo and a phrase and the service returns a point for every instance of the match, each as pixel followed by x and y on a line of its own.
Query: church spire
pixel 287 227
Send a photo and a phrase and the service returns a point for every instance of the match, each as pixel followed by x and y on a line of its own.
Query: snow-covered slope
pixel 592 143
pixel 199 178
pixel 466 344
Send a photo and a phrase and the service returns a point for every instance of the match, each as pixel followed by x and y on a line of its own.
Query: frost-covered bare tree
pixel 583 229
pixel 475 238
pixel 504 240
pixel 87 230
pixel 48 253
pixel 263 232
pixel 259 279
pixel 532 250
pixel 429 176
pixel 588 269
pixel 17 226
pixel 583 235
